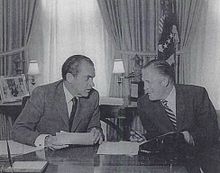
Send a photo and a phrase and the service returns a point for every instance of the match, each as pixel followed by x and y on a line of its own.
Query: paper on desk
pixel 75 138
pixel 27 166
pixel 16 148
pixel 119 148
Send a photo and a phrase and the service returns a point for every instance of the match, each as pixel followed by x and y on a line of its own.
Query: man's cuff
pixel 188 137
pixel 39 142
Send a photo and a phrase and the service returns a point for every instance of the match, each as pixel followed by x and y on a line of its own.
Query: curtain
pixel 65 28
pixel 131 23
pixel 16 20
pixel 203 55
pixel 188 15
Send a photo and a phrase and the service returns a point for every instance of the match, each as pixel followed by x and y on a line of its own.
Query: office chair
pixel 24 101
pixel 107 112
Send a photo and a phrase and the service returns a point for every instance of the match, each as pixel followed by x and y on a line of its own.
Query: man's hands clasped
pixel 53 143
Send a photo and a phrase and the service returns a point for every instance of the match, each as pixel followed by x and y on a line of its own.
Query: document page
pixel 75 138
pixel 119 148
pixel 16 148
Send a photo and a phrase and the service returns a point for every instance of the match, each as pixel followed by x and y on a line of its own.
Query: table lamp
pixel 118 68
pixel 33 70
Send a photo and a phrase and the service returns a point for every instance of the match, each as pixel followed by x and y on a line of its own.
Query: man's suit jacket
pixel 194 112
pixel 46 113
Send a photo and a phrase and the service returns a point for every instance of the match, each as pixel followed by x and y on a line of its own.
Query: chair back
pixel 24 100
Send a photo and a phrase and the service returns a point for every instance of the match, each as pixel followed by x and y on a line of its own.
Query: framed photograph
pixel 137 90
pixel 13 89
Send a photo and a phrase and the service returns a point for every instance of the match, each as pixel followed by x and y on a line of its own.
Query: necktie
pixel 72 114
pixel 169 112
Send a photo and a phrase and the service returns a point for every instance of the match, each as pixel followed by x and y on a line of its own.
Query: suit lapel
pixel 180 108
pixel 160 118
pixel 167 125
pixel 61 105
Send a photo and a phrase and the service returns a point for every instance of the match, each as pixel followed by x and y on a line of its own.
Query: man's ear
pixel 69 77
pixel 165 81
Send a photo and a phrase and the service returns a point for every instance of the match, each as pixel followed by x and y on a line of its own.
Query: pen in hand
pixel 136 136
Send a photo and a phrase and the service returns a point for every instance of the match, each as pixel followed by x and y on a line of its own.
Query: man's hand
pixel 136 137
pixel 97 135
pixel 188 138
pixel 52 143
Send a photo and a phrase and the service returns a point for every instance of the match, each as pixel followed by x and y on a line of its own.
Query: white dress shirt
pixel 69 98
pixel 171 100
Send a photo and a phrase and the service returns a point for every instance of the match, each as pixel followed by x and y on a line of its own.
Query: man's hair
pixel 73 63
pixel 162 68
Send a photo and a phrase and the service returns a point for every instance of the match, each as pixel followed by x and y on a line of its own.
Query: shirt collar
pixel 68 95
pixel 171 97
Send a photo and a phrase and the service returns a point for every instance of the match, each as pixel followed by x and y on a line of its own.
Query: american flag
pixel 161 22
pixel 167 29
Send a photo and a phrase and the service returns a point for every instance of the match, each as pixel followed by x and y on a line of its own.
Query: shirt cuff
pixel 39 142
pixel 188 138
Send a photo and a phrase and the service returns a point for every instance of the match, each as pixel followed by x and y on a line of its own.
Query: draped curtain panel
pixel 16 20
pixel 188 16
pixel 131 23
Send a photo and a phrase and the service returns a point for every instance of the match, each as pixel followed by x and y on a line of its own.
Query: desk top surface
pixel 84 159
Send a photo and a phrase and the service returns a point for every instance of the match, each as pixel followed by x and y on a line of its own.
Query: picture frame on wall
pixel 13 89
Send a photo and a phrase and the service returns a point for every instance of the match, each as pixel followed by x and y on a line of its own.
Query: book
pixel 27 166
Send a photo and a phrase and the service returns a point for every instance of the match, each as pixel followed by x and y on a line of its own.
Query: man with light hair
pixel 169 107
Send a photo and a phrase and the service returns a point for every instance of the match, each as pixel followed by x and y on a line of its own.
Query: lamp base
pixel 31 83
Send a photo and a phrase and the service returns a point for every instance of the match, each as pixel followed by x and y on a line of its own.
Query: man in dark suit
pixel 50 107
pixel 169 107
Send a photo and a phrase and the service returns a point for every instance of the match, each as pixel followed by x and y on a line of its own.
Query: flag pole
pixel 175 62
pixel 176 41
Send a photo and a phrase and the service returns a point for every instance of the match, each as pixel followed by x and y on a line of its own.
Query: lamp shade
pixel 33 68
pixel 118 66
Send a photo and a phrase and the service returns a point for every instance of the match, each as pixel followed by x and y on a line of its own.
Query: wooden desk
pixel 85 160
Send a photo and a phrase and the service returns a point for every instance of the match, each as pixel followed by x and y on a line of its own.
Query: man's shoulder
pixel 48 87
pixel 190 88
